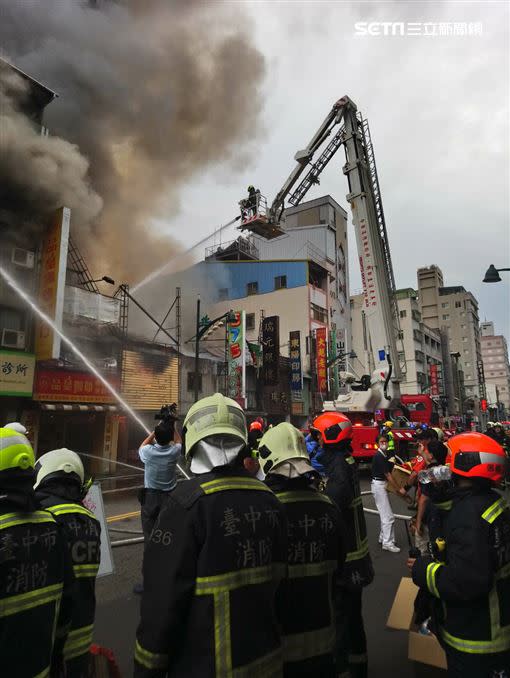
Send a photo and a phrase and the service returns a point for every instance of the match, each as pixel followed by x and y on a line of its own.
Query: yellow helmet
pixel 63 462
pixel 15 451
pixel 388 424
pixel 212 416
pixel 283 443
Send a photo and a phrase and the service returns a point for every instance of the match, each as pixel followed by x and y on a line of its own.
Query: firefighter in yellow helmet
pixel 315 554
pixel 60 488
pixel 35 575
pixel 386 429
pixel 214 561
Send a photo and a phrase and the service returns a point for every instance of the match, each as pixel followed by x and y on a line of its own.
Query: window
pixel 250 321
pixel 280 282
pixel 401 334
pixel 445 305
pixel 464 339
pixel 468 364
pixel 191 382
pixel 458 304
pixel 252 288
pixel 446 317
pixel 403 314
pixel 223 293
pixel 463 327
pixel 319 313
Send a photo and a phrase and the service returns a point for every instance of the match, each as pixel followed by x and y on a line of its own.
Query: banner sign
pixel 434 381
pixel 16 373
pixel 322 370
pixel 94 502
pixel 236 353
pixel 334 351
pixel 271 349
pixel 52 285
pixel 72 387
pixel 296 372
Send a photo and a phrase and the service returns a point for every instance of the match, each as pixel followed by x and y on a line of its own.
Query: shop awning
pixel 78 407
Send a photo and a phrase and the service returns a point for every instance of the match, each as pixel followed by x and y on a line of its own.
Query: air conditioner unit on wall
pixel 13 339
pixel 22 258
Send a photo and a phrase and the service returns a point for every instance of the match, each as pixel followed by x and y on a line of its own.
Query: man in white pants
pixel 381 477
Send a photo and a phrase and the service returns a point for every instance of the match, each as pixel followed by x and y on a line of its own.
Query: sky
pixel 438 109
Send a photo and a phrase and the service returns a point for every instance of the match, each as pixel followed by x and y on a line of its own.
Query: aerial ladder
pixel 345 126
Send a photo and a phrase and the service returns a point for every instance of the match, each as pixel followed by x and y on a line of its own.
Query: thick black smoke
pixel 151 92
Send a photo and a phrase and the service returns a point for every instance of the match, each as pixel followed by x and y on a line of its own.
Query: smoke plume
pixel 150 94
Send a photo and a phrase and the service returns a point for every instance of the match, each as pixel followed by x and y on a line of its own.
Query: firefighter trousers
pixel 466 665
pixel 152 502
pixel 351 641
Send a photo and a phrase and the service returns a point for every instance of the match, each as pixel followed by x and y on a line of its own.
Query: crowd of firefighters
pixel 256 565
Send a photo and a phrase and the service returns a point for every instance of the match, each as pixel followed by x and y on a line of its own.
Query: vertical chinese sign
pixel 334 351
pixel 321 341
pixel 52 284
pixel 270 349
pixel 434 381
pixel 236 331
pixel 296 372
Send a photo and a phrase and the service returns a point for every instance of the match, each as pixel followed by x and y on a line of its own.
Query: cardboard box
pixel 421 648
pixel 400 475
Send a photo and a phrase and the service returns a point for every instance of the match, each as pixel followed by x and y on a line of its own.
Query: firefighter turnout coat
pixel 315 555
pixel 82 532
pixel 35 585
pixel 473 582
pixel 343 488
pixel 211 570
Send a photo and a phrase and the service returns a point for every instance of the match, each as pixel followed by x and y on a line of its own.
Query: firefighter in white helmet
pixel 214 561
pixel 35 577
pixel 316 552
pixel 60 488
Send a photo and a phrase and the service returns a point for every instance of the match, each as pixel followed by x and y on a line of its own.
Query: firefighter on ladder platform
pixel 470 577
pixel 252 202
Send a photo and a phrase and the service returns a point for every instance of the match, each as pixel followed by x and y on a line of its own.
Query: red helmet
pixel 256 425
pixel 333 427
pixel 475 455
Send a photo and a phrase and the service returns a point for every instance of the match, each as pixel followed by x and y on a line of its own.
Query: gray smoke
pixel 151 93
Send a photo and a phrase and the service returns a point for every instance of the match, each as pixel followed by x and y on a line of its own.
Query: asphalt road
pixel 118 608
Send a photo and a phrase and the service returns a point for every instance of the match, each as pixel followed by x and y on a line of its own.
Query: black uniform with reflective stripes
pixel 343 488
pixel 315 555
pixel 83 535
pixel 211 570
pixel 35 583
pixel 473 584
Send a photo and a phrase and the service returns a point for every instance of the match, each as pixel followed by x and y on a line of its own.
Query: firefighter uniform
pixel 83 536
pixel 344 489
pixel 315 557
pixel 473 584
pixel 211 570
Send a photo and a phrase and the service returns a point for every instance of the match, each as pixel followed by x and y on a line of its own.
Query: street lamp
pixel 105 279
pixel 492 274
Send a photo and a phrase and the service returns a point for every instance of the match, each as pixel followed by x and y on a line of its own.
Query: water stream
pixel 46 319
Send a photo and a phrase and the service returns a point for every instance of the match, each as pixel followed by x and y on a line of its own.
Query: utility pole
pixel 197 349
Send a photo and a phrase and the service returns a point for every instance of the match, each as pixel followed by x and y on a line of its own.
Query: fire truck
pixel 375 397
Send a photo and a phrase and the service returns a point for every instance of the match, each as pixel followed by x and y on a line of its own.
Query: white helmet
pixel 61 461
pixel 16 426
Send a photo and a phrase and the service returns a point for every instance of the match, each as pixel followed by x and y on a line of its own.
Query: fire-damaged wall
pixel 149 378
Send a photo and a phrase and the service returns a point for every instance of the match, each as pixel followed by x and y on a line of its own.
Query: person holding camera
pixel 159 452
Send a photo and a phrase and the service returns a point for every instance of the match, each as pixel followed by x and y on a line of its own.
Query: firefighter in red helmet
pixel 343 488
pixel 470 578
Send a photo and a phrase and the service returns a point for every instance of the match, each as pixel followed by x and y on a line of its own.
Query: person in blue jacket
pixel 314 449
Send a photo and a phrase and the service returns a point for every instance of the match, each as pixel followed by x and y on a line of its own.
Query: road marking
pixel 122 516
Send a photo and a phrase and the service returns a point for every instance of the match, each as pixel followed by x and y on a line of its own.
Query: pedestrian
pixel 382 467
pixel 35 575
pixel 214 561
pixel 470 579
pixel 315 555
pixel 342 486
pixel 160 453
pixel 60 489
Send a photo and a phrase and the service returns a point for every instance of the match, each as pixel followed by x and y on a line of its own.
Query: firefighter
pixel 343 488
pixel 252 200
pixel 470 579
pixel 386 430
pixel 255 434
pixel 315 554
pixel 214 561
pixel 35 574
pixel 60 489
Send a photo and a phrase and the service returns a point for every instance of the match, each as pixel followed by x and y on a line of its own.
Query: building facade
pixel 496 366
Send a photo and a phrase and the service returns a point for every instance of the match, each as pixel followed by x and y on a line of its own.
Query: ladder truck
pixel 376 396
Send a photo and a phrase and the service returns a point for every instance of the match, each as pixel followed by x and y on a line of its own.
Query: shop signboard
pixel 271 349
pixel 16 373
pixel 296 372
pixel 236 354
pixel 434 381
pixel 52 285
pixel 321 341
pixel 72 387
